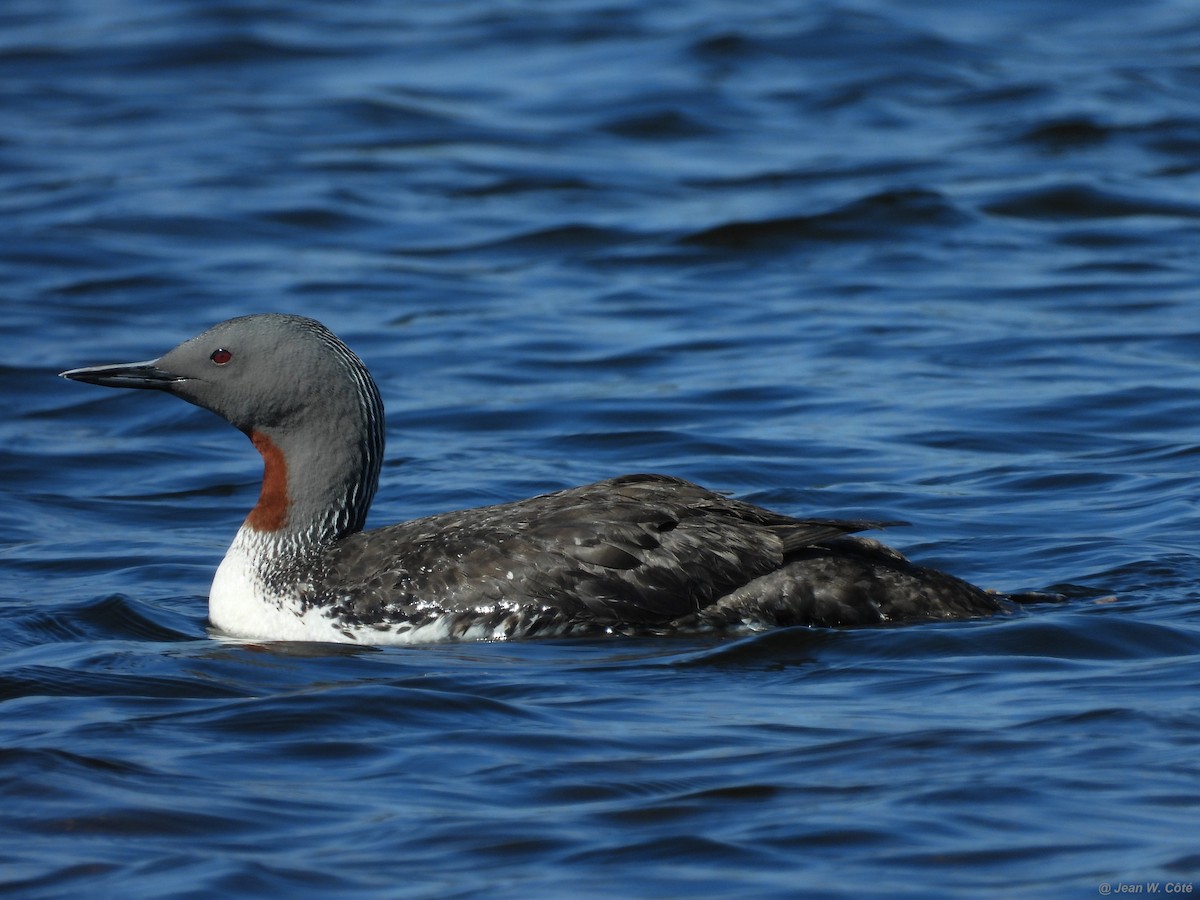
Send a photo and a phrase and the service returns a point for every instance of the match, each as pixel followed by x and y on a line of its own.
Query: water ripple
pixel 928 262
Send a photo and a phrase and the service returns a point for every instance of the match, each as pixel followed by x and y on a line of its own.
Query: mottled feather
pixel 636 551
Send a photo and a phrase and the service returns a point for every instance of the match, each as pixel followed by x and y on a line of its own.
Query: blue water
pixel 862 258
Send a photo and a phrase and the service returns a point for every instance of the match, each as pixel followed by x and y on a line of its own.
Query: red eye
pixel 221 356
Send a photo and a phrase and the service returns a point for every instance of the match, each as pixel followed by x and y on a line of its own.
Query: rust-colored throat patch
pixel 270 512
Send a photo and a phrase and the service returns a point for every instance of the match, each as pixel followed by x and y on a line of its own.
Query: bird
pixel 635 554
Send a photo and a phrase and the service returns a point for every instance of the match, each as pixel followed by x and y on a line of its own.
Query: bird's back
pixel 639 551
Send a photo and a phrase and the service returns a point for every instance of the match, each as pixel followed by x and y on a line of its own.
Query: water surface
pixel 859 258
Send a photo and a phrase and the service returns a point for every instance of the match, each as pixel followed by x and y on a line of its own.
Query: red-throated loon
pixel 639 553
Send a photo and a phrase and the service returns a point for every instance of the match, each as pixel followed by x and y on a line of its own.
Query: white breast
pixel 240 604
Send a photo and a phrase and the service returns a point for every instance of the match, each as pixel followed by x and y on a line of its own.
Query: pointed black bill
pixel 126 375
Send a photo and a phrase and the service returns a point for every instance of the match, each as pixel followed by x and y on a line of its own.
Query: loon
pixel 637 554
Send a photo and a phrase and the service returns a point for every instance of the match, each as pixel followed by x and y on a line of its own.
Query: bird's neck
pixel 270 513
pixel 314 491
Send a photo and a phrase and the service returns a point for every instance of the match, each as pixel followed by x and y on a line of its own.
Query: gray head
pixel 285 378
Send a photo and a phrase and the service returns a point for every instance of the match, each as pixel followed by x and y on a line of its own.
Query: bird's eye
pixel 221 356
